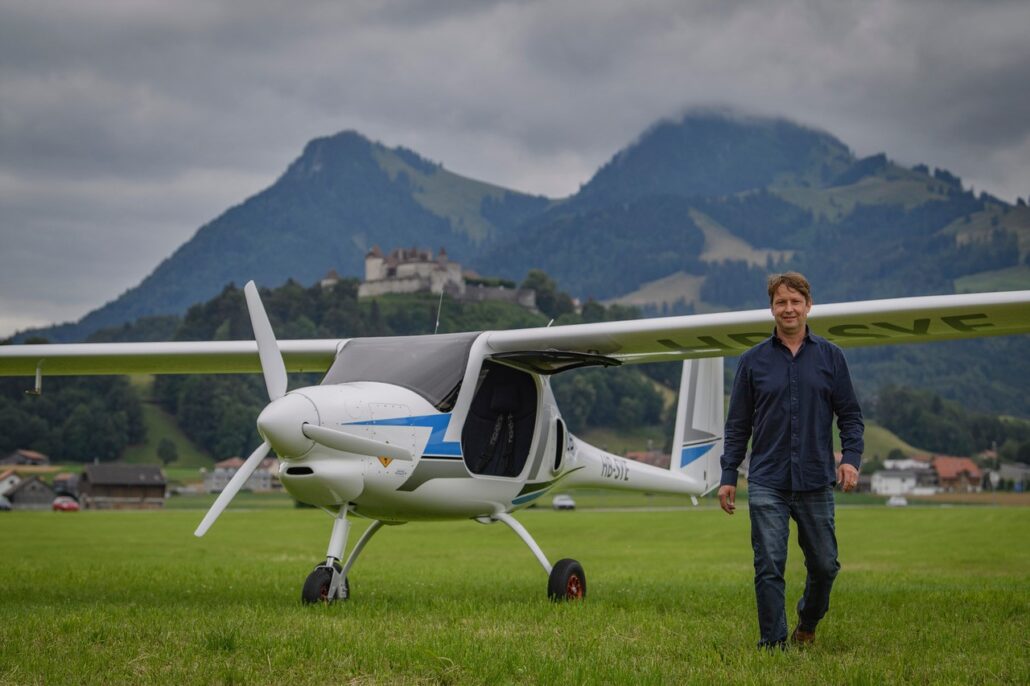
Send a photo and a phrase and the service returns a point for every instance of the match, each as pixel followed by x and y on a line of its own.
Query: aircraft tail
pixel 697 441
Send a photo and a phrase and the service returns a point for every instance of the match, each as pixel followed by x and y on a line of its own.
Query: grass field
pixel 926 595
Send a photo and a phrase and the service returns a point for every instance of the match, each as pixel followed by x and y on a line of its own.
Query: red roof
pixel 231 463
pixel 32 455
pixel 954 467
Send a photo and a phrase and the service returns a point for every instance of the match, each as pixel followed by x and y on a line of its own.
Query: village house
pixel 893 482
pixel 122 486
pixel 1015 476
pixel 31 494
pixel 957 474
pixel 264 477
pixel 655 458
pixel 23 457
pixel 67 483
pixel 8 480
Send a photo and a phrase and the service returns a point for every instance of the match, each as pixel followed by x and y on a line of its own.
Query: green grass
pixel 926 595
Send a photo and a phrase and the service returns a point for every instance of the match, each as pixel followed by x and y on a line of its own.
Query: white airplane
pixel 464 426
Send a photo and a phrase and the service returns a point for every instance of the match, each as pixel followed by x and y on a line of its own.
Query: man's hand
pixel 727 496
pixel 847 477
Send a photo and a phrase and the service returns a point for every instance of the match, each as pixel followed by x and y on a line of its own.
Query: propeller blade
pixel 232 488
pixel 341 440
pixel 272 365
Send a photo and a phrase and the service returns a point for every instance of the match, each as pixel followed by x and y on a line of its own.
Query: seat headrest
pixel 505 399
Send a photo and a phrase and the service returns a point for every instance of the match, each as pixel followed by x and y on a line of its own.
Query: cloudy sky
pixel 125 125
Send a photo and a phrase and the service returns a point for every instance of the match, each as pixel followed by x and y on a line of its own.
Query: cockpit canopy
pixel 432 366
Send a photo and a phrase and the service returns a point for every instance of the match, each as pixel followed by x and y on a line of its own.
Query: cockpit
pixel 432 366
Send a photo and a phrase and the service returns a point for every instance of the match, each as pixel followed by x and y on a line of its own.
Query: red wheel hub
pixel 574 587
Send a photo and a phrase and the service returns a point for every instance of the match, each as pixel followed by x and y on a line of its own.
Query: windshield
pixel 432 366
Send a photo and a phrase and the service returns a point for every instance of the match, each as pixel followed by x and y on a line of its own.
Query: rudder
pixel 698 441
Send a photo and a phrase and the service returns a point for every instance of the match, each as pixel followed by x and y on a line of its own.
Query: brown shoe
pixel 802 637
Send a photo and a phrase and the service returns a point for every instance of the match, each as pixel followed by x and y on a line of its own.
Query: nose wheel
pixel 325 585
pixel 566 581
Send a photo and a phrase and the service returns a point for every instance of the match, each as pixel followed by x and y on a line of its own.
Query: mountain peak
pixel 711 152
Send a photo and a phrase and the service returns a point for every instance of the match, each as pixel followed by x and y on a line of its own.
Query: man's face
pixel 790 310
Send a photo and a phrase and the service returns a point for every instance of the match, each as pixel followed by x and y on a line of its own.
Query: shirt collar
pixel 777 341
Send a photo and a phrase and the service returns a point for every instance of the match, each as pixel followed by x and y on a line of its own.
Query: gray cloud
pixel 125 126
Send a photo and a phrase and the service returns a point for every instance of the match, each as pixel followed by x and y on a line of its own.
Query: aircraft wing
pixel 870 322
pixel 206 357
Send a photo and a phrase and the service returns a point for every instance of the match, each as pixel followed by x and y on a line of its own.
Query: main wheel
pixel 316 587
pixel 567 581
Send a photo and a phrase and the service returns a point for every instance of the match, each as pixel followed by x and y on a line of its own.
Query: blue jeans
pixel 771 510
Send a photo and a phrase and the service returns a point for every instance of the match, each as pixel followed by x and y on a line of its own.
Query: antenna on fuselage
pixel 439 308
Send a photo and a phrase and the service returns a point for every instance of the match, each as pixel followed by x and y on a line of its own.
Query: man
pixel 785 393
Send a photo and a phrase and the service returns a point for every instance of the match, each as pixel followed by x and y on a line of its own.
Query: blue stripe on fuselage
pixel 437 424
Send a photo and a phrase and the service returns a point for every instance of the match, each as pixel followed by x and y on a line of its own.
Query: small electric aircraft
pixel 465 426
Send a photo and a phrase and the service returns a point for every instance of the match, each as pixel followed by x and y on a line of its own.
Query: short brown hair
pixel 792 280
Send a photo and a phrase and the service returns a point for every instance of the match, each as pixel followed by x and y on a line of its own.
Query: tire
pixel 316 587
pixel 567 581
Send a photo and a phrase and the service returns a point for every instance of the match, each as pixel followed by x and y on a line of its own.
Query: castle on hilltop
pixel 413 270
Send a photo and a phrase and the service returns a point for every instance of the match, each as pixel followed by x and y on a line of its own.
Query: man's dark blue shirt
pixel 785 405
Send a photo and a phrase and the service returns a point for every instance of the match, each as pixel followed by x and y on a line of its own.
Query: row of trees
pixel 925 419
pixel 74 420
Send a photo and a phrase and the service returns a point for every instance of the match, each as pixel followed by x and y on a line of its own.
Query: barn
pixel 122 486
pixel 31 494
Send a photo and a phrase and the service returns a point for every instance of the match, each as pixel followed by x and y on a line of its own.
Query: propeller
pixel 272 365
pixel 289 422
pixel 234 485
pixel 274 370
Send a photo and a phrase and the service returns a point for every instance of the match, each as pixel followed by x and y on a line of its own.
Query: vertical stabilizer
pixel 697 441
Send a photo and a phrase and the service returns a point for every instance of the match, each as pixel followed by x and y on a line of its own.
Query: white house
pixel 263 479
pixel 8 480
pixel 893 482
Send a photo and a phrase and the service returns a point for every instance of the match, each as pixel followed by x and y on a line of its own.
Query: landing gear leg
pixel 565 580
pixel 369 533
pixel 328 582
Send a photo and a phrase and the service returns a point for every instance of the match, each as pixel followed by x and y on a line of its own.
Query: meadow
pixel 926 595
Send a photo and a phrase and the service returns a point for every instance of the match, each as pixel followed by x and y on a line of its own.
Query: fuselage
pixel 483 437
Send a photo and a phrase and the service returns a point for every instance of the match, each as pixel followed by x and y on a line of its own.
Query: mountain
pixel 767 195
pixel 343 195
pixel 692 215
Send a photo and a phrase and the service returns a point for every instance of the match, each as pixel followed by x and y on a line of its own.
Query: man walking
pixel 786 391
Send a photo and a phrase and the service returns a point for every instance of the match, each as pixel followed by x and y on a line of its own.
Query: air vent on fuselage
pixel 300 471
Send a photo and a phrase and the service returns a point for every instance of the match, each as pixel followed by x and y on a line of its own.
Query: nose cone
pixel 281 422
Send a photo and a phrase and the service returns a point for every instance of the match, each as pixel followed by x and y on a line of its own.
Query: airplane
pixel 465 426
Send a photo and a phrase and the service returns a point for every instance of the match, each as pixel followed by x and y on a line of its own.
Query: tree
pixel 167 452
pixel 549 299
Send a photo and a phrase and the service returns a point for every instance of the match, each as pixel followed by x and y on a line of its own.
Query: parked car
pixel 563 502
pixel 5 504
pixel 65 503
pixel 897 501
